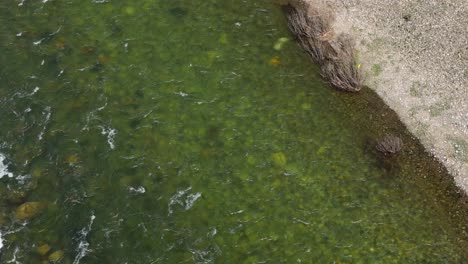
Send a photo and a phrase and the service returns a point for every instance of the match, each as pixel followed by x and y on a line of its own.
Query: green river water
pixel 157 131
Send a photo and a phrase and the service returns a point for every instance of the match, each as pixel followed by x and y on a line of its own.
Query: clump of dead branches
pixel 389 145
pixel 336 55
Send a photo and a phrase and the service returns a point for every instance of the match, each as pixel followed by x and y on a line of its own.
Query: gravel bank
pixel 414 54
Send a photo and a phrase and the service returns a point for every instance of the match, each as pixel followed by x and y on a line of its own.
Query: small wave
pixel 110 133
pixel 7 233
pixel 5 172
pixel 13 260
pixel 182 94
pixel 83 246
pixel 191 198
pixel 139 189
pixel 1 241
pixel 93 115
pixel 46 113
pixel 206 255
pixel 36 89
pixel 26 94
pixel 4 168
pixel 184 199
pixel 35 43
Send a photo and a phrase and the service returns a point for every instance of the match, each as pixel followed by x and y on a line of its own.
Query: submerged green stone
pixel 28 210
pixel 43 249
pixel 279 159
pixel 56 256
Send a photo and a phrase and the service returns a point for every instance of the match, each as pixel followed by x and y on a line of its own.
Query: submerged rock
pixel 56 256
pixel 275 61
pixel 28 210
pixel 279 43
pixel 16 196
pixel 279 159
pixel 43 249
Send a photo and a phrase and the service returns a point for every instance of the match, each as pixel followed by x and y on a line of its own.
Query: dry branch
pixel 336 56
pixel 390 145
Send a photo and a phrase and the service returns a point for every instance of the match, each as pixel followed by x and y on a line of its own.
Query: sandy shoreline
pixel 414 54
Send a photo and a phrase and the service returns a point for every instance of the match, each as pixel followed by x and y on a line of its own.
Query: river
pixel 156 131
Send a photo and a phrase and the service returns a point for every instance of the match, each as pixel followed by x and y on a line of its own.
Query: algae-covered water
pixel 157 131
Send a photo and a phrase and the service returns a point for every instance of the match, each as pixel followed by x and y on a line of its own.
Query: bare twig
pixel 390 145
pixel 312 27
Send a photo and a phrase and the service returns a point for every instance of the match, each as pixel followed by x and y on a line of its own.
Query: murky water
pixel 159 131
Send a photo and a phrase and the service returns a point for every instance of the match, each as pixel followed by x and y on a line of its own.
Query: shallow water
pixel 173 132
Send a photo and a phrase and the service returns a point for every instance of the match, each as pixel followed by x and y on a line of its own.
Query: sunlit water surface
pixel 159 131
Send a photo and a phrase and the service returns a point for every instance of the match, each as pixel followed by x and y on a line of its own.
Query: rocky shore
pixel 414 54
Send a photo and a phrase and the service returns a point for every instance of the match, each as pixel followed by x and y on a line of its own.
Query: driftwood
pixel 336 56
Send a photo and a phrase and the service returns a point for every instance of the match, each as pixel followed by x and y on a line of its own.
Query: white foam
pixel 21 179
pixel 184 199
pixel 182 94
pixel 7 233
pixel 110 133
pixel 46 113
pixel 35 43
pixel 83 246
pixel 93 116
pixel 4 168
pixel 191 198
pixel 102 107
pixel 139 189
pixel 5 172
pixel 213 232
pixel 13 260
pixel 1 241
